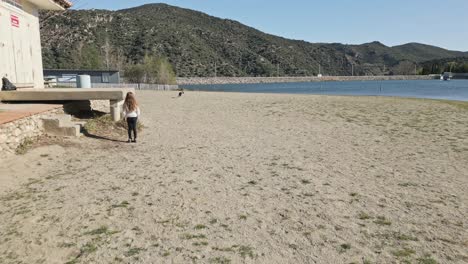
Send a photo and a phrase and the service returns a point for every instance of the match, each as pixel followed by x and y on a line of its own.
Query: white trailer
pixel 20 43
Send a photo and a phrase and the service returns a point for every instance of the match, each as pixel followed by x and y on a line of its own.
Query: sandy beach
pixel 249 178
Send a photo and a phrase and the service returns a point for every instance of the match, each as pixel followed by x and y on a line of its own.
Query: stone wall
pixel 100 105
pixel 12 134
pixel 246 80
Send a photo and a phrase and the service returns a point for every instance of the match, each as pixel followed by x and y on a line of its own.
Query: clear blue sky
pixel 442 23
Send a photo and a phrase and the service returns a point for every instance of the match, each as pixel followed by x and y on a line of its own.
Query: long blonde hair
pixel 130 102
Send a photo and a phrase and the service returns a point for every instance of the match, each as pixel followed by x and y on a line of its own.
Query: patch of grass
pixel 123 204
pixel 104 124
pixel 25 146
pixel 405 252
pixel 427 259
pixel 88 248
pixel 304 181
pixel 22 211
pixel 100 231
pixel 344 247
pixel 405 237
pixel 213 221
pixel 293 246
pixel 66 245
pixel 182 224
pixel 245 251
pixel 446 240
pixel 133 251
pixel 364 216
pixel 226 249
pixel 220 260
pixel 381 220
pixel 200 226
pixel 408 184
pixel 243 217
pixel 166 254
pixel 99 123
pixel 192 236
pixel 202 243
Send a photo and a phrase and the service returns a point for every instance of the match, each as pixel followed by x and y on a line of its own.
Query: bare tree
pixel 405 68
pixel 48 16
pixel 107 48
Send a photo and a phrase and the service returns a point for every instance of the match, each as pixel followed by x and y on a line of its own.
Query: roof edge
pixel 64 3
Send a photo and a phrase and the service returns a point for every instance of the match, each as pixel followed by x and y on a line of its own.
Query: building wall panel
pixel 20 46
pixel 7 65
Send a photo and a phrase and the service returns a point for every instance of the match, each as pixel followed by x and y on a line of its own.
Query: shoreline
pixel 337 95
pixel 257 80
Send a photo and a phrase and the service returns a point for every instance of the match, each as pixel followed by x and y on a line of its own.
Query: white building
pixel 20 44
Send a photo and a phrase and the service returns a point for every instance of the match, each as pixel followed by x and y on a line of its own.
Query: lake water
pixel 434 89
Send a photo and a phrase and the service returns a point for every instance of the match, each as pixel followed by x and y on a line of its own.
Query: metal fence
pixel 136 86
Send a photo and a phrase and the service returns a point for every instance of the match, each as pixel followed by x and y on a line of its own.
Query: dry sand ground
pixel 244 178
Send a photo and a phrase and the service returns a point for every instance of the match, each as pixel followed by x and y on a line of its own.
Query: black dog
pixel 7 85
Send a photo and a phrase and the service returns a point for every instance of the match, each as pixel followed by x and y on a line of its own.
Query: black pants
pixel 132 126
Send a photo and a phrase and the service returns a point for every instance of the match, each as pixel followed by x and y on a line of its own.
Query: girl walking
pixel 131 112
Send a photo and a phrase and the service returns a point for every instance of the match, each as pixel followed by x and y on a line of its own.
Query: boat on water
pixel 447 76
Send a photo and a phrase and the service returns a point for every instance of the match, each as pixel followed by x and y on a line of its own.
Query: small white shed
pixel 20 43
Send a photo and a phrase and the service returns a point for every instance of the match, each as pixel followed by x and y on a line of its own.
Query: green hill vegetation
pixel 456 65
pixel 192 43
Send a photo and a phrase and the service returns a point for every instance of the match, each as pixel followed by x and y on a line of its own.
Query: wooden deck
pixel 65 94
pixel 114 95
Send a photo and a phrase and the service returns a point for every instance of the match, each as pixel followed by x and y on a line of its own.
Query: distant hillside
pixel 420 52
pixel 456 65
pixel 195 43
